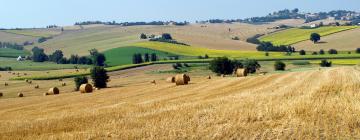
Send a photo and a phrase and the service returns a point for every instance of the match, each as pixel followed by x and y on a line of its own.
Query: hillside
pixel 104 37
pixel 15 38
pixel 345 41
pixel 295 35
pixel 278 106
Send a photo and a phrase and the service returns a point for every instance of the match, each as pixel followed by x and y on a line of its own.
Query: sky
pixel 40 13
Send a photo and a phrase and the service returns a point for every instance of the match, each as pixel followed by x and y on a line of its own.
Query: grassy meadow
pixel 7 52
pixel 295 35
pixel 36 32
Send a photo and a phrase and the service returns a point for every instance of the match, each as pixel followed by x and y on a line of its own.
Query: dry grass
pixel 302 105
pixel 345 41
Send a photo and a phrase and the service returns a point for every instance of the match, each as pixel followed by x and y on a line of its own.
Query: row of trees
pixel 95 58
pixel 268 47
pixel 11 46
pixel 224 65
pixel 138 58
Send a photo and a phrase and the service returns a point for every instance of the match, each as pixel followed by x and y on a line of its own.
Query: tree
pixel 279 66
pixel 302 52
pixel 221 65
pixel 99 77
pixel 325 63
pixel 315 37
pixel 251 65
pixel 137 58
pixel 79 81
pixel 98 58
pixel 321 52
pixel 357 50
pixel 39 55
pixel 74 59
pixel 56 56
pixel 333 51
pixel 206 56
pixel 166 36
pixel 154 57
pixel 143 36
pixel 146 57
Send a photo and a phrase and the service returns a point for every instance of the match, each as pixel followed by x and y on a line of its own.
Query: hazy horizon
pixel 40 13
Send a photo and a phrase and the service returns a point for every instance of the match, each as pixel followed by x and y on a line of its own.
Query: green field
pixel 6 52
pixel 295 35
pixel 35 66
pixel 123 55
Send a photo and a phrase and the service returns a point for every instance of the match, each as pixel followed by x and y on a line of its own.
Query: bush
pixel 267 54
pixel 357 50
pixel 143 36
pixel 235 38
pixel 186 65
pixel 325 63
pixel 321 52
pixel 315 37
pixel 314 53
pixel 251 65
pixel 302 52
pixel 279 66
pixel 5 69
pixel 166 36
pixel 222 65
pixel 333 51
pixel 99 77
pixel 79 81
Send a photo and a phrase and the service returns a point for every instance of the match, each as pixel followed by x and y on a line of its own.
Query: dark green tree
pixel 325 63
pixel 315 37
pixel 154 57
pixel 166 36
pixel 99 77
pixel 279 66
pixel 39 55
pixel 143 36
pixel 56 56
pixel 251 65
pixel 321 52
pixel 302 52
pixel 146 57
pixel 221 65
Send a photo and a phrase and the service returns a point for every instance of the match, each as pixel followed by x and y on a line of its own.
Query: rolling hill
pixel 344 41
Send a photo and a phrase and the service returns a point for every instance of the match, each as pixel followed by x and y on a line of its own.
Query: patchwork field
pixel 295 35
pixel 346 41
pixel 36 32
pixel 15 38
pixel 78 40
pixel 294 105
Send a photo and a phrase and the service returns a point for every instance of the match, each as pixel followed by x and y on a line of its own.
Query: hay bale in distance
pixel 86 88
pixel 6 84
pixel 153 82
pixel 46 94
pixel 63 84
pixel 182 79
pixel 1 94
pixel 241 73
pixel 209 77
pixel 20 95
pixel 37 86
pixel 54 91
pixel 170 79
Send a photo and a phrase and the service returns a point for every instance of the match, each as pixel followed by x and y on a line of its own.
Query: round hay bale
pixel 241 73
pixel 37 86
pixel 63 84
pixel 54 91
pixel 1 94
pixel 60 80
pixel 153 82
pixel 6 84
pixel 209 77
pixel 46 94
pixel 182 79
pixel 20 95
pixel 26 80
pixel 30 82
pixel 86 88
pixel 170 79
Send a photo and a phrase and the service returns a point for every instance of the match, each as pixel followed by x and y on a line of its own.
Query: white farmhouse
pixel 20 58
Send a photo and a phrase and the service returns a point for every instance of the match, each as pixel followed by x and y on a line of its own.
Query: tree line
pixel 138 58
pixel 11 45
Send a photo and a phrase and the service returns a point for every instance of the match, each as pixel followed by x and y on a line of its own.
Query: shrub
pixel 357 50
pixel 302 52
pixel 314 53
pixel 99 77
pixel 315 37
pixel 267 54
pixel 235 38
pixel 143 36
pixel 206 56
pixel 279 66
pixel 321 52
pixel 251 65
pixel 5 69
pixel 166 36
pixel 186 65
pixel 325 63
pixel 333 51
pixel 79 81
pixel 222 65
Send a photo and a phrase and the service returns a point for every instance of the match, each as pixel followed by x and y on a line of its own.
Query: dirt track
pixel 304 105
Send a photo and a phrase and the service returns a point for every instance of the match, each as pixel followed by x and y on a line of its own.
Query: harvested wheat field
pixel 319 104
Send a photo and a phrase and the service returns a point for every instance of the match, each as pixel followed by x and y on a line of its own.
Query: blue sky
pixel 39 13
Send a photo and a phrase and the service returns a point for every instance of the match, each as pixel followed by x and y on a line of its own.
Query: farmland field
pixel 15 38
pixel 295 35
pixel 36 32
pixel 123 55
pixel 221 108
pixel 6 52
pixel 345 41
pixel 34 66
